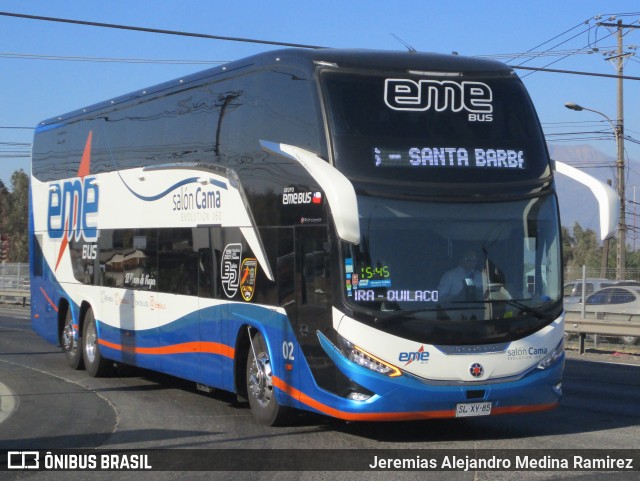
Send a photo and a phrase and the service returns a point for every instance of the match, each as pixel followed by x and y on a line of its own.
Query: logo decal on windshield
pixel 475 98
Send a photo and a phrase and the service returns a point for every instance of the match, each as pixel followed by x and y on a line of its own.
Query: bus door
pixel 313 296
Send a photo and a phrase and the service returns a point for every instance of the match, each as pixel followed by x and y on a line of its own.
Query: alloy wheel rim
pixel 260 382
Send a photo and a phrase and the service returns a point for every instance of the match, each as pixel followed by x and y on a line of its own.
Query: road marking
pixel 619 363
pixel 8 402
pixel 15 398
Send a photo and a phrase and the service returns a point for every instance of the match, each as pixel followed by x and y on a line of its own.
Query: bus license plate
pixel 464 410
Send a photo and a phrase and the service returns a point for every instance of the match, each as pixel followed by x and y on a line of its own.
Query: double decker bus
pixel 288 227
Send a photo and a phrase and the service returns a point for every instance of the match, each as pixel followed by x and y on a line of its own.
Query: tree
pixel 4 214
pixel 16 215
pixel 587 251
pixel 568 243
pixel 4 206
pixel 581 248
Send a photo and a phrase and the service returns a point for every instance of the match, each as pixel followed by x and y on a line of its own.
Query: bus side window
pixel 205 272
pixel 215 251
pixel 202 238
pixel 111 256
pixel 177 262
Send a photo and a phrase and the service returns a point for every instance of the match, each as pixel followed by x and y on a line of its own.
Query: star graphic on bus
pixel 83 171
pixel 413 358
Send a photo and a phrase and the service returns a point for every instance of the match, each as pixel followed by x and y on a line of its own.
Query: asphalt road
pixel 46 405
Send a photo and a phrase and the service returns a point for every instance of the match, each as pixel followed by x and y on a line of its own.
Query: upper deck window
pixel 443 128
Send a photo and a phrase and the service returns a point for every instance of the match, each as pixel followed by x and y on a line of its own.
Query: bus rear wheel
pixel 71 341
pixel 95 364
pixel 262 397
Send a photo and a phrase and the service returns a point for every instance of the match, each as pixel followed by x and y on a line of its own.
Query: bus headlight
pixel 553 356
pixel 363 358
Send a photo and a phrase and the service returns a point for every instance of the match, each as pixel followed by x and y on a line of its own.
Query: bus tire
pixel 260 391
pixel 71 342
pixel 94 363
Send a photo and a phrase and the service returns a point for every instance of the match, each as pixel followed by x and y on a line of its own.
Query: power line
pixel 565 56
pixel 545 53
pixel 576 72
pixel 34 56
pixel 574 122
pixel 155 30
pixel 267 42
pixel 550 40
pixel 561 43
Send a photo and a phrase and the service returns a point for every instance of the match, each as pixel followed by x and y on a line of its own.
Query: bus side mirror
pixel 606 196
pixel 339 191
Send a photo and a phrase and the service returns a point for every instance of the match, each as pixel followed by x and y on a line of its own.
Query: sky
pixel 36 83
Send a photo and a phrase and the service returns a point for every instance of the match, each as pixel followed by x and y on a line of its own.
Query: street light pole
pixel 618 130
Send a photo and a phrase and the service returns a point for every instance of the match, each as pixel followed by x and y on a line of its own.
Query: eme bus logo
pixel 73 205
pixel 474 97
pixel 409 356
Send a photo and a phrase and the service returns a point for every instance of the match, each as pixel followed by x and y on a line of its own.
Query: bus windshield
pixel 455 273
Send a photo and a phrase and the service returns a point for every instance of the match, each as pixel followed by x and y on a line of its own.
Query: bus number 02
pixel 287 350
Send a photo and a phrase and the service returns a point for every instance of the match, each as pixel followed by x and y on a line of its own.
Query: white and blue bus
pixel 290 227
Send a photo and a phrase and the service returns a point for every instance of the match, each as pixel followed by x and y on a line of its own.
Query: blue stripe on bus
pixel 190 180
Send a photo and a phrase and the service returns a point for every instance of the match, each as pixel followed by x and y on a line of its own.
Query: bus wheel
pixel 71 340
pixel 262 399
pixel 95 364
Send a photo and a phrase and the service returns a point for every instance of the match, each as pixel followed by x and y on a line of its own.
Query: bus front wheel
pixel 94 363
pixel 262 397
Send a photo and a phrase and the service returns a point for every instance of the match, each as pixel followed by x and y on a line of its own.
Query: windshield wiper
pixel 384 317
pixel 395 315
pixel 512 302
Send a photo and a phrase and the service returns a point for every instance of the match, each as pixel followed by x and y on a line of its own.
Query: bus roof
pixel 306 59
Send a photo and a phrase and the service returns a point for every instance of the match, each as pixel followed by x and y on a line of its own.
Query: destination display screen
pixel 455 157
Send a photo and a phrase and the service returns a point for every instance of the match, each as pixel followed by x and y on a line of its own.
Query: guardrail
pixel 14 281
pixel 16 293
pixel 602 323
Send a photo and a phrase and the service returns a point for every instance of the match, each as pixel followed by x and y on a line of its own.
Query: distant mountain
pixel 577 203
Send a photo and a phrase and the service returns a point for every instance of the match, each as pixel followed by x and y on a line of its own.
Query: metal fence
pixel 573 273
pixel 615 314
pixel 14 282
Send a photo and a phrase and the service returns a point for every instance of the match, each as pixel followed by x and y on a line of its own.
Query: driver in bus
pixel 464 282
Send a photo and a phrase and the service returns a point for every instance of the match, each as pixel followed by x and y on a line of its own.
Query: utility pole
pixel 619 131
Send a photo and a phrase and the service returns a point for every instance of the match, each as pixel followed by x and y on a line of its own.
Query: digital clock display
pixel 378 272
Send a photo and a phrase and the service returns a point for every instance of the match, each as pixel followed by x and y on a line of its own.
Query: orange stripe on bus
pixel 184 348
pixel 55 308
pixel 393 416
pixel 523 409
